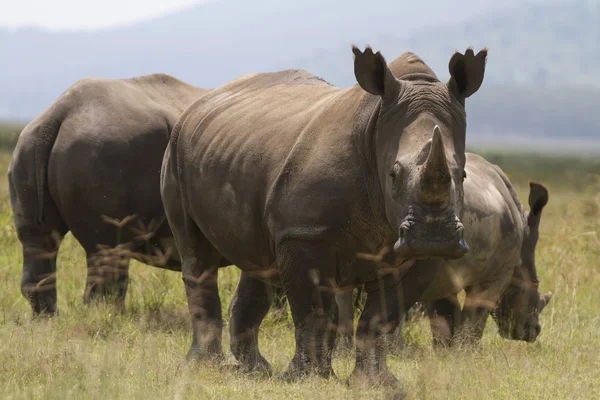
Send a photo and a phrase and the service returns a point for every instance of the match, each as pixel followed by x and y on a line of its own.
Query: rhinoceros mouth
pixel 525 335
pixel 419 249
pixel 433 236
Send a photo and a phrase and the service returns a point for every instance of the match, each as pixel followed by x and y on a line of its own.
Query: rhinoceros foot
pixel 258 365
pixel 211 356
pixel 298 370
pixel 360 378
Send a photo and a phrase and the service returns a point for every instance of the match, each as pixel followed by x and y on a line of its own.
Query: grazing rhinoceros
pixel 498 274
pixel 87 164
pixel 289 177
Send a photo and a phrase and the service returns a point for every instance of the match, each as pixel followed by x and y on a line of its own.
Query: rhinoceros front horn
pixel 435 176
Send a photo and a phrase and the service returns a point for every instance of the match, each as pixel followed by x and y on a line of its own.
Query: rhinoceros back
pixel 233 147
pixel 87 114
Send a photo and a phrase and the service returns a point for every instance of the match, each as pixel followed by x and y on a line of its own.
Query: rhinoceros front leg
pixel 376 323
pixel 249 306
pixel 307 271
pixel 385 307
pixel 479 302
pixel 444 318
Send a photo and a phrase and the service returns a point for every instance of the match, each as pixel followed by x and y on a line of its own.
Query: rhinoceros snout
pixel 427 240
pixel 529 334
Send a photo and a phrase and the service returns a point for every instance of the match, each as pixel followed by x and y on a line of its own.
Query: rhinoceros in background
pixel 87 164
pixel 499 274
pixel 291 179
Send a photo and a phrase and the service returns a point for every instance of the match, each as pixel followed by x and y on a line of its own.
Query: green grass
pixel 90 352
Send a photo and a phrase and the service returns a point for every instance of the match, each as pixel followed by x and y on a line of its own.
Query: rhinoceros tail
pixel 172 152
pixel 28 168
pixel 45 138
pixel 172 147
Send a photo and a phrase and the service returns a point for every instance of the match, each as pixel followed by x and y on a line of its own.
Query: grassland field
pixel 95 353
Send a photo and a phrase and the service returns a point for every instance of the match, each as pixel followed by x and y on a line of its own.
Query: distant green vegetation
pixel 560 171
pixel 9 132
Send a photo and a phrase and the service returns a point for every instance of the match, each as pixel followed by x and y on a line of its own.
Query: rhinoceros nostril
pixel 401 242
pixel 460 230
pixel 403 232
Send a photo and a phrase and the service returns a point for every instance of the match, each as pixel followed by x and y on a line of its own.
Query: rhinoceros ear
pixel 544 300
pixel 538 197
pixel 466 72
pixel 372 73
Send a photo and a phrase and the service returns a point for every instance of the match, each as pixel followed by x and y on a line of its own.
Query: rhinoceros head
pixel 419 146
pixel 517 314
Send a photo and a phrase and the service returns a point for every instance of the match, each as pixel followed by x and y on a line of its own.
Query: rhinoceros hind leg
pixel 40 242
pixel 249 306
pixel 204 304
pixel 200 262
pixel 38 283
pixel 107 279
pixel 199 267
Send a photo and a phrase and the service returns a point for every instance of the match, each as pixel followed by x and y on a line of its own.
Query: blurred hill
pixel 550 44
pixel 542 77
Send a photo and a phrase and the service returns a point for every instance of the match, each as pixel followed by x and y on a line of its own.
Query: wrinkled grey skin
pixel 499 274
pixel 289 177
pixel 96 151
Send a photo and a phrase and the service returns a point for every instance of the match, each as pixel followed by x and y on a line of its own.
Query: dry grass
pixel 89 352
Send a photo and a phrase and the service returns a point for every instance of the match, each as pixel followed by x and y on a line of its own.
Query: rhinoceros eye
pixel 395 173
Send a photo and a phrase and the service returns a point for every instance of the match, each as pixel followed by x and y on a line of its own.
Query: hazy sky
pixel 83 14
